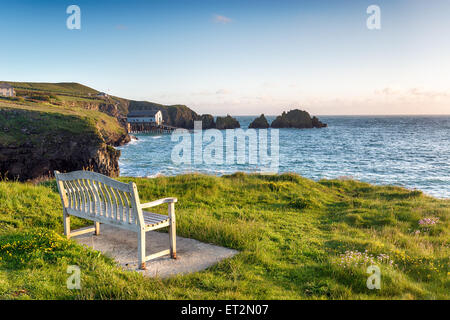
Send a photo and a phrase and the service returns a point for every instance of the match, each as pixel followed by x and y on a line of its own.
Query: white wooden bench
pixel 95 197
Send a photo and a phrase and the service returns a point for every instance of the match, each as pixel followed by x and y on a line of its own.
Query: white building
pixel 7 90
pixel 102 95
pixel 145 116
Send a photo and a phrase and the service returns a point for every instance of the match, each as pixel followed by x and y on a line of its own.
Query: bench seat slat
pixel 151 218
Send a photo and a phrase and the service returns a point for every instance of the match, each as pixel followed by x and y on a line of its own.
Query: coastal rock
pixel 317 123
pixel 207 121
pixel 259 123
pixel 227 122
pixel 297 119
pixel 110 109
pixel 54 142
pixel 25 162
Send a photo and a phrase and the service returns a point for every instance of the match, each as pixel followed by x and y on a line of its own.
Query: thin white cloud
pixel 413 92
pixel 223 91
pixel 221 19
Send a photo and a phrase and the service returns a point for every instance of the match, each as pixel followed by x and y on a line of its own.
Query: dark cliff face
pixel 227 122
pixel 29 161
pixel 207 121
pixel 259 123
pixel 34 144
pixel 297 119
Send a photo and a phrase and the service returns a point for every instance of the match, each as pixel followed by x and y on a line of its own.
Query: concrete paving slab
pixel 192 255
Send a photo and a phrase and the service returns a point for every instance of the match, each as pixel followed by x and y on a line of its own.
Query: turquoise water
pixel 409 151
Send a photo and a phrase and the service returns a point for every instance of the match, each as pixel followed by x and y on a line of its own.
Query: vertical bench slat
pixel 87 196
pixel 99 198
pixel 82 196
pixel 91 206
pixel 90 190
pixel 77 195
pixel 107 195
pixel 91 196
pixel 96 198
pixel 74 195
pixel 101 192
pixel 120 205
pixel 68 193
pixel 113 203
pixel 122 216
pixel 126 207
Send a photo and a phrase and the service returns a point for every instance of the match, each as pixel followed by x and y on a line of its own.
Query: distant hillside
pixel 67 127
pixel 63 87
pixel 77 95
pixel 61 126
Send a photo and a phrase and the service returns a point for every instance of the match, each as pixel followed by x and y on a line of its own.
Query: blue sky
pixel 239 57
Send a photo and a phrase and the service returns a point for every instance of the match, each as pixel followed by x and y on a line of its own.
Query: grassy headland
pixel 292 234
pixel 40 118
pixel 69 126
pixel 40 134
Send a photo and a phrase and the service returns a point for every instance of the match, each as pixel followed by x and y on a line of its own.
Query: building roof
pixel 4 85
pixel 142 113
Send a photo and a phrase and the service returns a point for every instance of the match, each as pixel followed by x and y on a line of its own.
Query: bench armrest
pixel 158 202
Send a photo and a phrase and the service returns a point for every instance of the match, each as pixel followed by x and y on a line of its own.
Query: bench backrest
pixel 91 195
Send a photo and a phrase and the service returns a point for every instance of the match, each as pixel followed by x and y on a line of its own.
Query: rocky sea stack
pixel 227 122
pixel 297 119
pixel 259 123
pixel 207 122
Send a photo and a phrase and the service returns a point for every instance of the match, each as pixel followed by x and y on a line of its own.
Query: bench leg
pixel 97 228
pixel 141 250
pixel 66 221
pixel 172 231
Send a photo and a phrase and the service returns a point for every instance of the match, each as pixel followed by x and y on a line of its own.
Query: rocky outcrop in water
pixel 207 121
pixel 317 123
pixel 227 122
pixel 259 123
pixel 297 119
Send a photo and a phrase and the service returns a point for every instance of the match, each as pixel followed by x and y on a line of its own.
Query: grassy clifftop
pixel 298 239
pixel 20 120
pixel 64 127
pixel 71 88
pixel 76 95
pixel 74 118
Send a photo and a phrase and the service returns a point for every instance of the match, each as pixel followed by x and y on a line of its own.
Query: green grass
pixel 56 109
pixel 290 232
pixel 76 97
pixel 71 88
pixel 40 119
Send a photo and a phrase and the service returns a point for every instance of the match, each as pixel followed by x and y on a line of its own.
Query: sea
pixel 407 151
